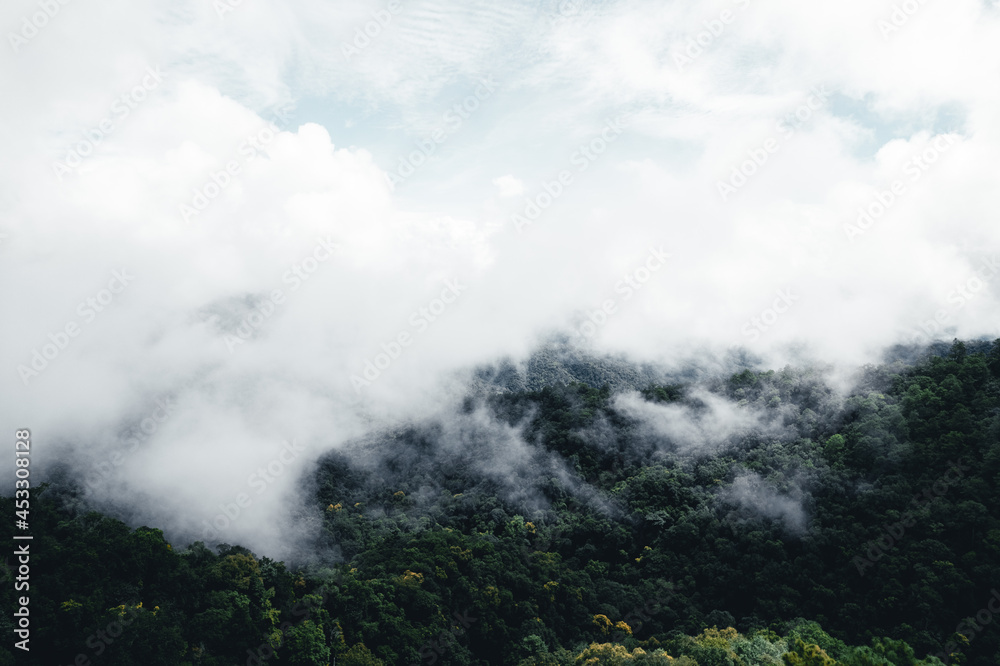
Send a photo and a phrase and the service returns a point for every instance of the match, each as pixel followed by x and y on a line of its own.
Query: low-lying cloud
pixel 699 429
pixel 756 498
pixel 260 147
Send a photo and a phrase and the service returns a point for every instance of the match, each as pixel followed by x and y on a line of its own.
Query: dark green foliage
pixel 875 516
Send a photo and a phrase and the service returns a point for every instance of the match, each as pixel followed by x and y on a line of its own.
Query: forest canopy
pixel 562 517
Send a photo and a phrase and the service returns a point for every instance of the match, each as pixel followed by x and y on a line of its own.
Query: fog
pixel 204 258
pixel 690 431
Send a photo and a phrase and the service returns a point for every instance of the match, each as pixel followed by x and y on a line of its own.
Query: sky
pixel 236 234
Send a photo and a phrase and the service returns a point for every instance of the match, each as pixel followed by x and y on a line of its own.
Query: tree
pixel 359 655
pixel 305 645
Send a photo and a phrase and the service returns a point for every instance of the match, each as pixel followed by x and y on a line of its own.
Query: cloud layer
pixel 273 284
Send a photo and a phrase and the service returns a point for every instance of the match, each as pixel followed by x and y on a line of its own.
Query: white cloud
pixel 509 186
pixel 323 174
pixel 752 492
pixel 689 430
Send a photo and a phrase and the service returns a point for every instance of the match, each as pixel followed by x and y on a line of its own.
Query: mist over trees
pixel 581 510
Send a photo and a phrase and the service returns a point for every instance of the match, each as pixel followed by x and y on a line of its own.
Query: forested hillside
pixel 754 518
